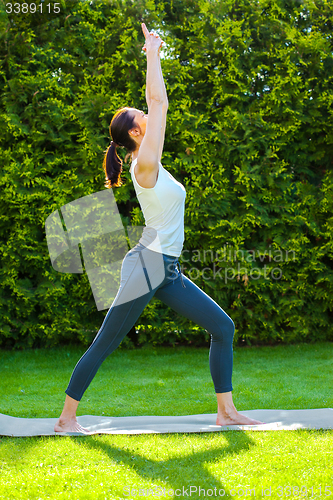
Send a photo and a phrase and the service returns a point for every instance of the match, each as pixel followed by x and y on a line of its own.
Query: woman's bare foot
pixel 227 413
pixel 235 418
pixel 67 421
pixel 69 425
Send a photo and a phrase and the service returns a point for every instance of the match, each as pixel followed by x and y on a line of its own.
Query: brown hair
pixel 120 124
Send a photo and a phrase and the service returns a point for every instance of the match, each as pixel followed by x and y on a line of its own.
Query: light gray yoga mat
pixel 276 420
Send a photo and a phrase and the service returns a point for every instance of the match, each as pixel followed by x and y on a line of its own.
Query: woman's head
pixel 127 129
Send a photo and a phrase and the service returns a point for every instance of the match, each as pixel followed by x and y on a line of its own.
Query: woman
pixel 150 268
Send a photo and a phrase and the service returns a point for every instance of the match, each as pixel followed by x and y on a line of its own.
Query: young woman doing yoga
pixel 150 268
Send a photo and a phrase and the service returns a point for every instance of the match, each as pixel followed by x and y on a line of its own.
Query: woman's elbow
pixel 158 99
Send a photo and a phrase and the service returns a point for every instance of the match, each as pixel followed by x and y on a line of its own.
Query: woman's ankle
pixel 66 417
pixel 225 404
pixel 226 410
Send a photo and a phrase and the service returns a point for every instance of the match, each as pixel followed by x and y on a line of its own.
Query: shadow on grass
pixel 193 465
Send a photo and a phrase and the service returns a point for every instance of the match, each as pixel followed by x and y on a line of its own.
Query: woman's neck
pixel 135 153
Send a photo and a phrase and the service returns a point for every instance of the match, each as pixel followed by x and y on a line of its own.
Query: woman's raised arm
pixel 155 87
pixel 149 152
pixel 165 96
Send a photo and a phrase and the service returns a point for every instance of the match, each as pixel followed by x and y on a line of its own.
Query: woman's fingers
pixel 145 31
pixel 152 40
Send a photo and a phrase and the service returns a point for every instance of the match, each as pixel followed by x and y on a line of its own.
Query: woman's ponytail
pixel 120 125
pixel 113 166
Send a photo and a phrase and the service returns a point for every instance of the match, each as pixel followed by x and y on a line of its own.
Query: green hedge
pixel 249 134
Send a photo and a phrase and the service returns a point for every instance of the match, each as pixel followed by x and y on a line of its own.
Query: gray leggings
pixel 145 274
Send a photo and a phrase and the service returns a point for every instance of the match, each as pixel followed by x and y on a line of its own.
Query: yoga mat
pixel 276 420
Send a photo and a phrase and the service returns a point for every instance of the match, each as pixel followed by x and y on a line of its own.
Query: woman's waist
pixel 140 246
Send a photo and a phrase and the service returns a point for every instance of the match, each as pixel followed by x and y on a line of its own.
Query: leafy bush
pixel 249 134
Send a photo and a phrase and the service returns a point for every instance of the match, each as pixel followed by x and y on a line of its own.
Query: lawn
pixel 168 381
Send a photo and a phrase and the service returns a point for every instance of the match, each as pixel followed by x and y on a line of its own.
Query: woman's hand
pixel 153 41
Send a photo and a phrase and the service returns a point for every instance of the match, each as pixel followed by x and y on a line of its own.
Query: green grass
pixel 168 381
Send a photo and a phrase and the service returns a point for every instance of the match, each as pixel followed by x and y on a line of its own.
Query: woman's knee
pixel 226 330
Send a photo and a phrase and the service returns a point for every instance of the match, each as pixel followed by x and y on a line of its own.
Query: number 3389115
pixel 31 8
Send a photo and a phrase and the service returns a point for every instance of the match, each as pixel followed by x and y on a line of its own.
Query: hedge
pixel 249 134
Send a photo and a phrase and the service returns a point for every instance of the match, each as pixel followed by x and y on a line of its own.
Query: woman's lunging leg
pixel 196 305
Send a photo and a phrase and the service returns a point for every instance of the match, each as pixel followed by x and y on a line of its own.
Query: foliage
pixel 249 134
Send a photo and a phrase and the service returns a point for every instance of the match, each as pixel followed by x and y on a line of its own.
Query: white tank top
pixel 163 208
